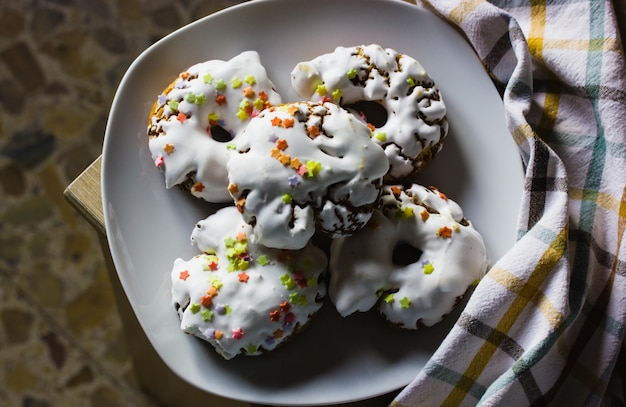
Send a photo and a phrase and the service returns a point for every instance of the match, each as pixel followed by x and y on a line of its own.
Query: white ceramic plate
pixel 335 360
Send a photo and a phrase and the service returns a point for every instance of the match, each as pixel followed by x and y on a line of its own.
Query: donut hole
pixel 405 254
pixel 373 112
pixel 220 134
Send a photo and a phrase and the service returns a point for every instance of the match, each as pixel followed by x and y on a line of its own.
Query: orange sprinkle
pixel 395 190
pixel 169 148
pixel 241 236
pixel 288 123
pixel 206 301
pixel 275 153
pixel 425 215
pixel 184 275
pixel 249 92
pixel 198 187
pixel 443 196
pixel 275 316
pixel 182 117
pixel 243 277
pixel 212 291
pixel 281 144
pixel 284 159
pixel 278 333
pixel 292 109
pixel 220 100
pixel 218 334
pixel 276 121
pixel 444 232
pixel 184 75
pixel 263 95
pixel 233 188
pixel 241 202
pixel 295 163
pixel 314 131
pixel 285 306
pixel 371 127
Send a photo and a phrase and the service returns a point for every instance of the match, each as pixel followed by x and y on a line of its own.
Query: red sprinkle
pixel 237 333
pixel 220 100
pixel 243 277
pixel 206 301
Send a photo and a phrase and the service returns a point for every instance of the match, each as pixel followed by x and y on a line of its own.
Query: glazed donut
pixel 412 127
pixel 302 167
pixel 241 297
pixel 443 256
pixel 195 118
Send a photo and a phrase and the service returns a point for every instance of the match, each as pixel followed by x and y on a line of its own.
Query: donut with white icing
pixel 444 256
pixel 304 166
pixel 412 127
pixel 194 120
pixel 241 297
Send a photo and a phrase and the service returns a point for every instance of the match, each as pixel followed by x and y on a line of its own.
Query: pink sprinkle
pixel 302 170
pixel 159 161
pixel 237 333
pixel 254 114
pixel 326 99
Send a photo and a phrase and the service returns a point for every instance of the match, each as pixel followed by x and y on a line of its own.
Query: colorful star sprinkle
pixel 237 333
pixel 444 232
pixel 159 161
pixel 427 267
pixel 405 302
pixel 243 277
pixel 184 275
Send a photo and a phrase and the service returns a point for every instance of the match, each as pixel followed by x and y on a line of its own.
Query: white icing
pixel 416 114
pixel 362 269
pixel 194 149
pixel 285 202
pixel 288 278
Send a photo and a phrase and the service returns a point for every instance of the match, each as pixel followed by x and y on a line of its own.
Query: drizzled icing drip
pixel 416 124
pixel 194 120
pixel 242 297
pixel 451 258
pixel 305 165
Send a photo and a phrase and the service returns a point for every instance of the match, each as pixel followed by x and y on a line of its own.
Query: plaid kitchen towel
pixel 547 323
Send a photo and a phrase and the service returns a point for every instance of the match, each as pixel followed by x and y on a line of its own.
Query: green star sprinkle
pixel 380 136
pixel 297 299
pixel 242 115
pixel 229 242
pixel 286 199
pixel 216 282
pixel 321 90
pixel 258 104
pixel 208 79
pixel 252 349
pixel 220 84
pixel 311 282
pixel 213 117
pixel 313 168
pixel 236 83
pixel 407 212
pixel 263 260
pixel 410 81
pixel 194 308
pixel 196 98
pixel 428 268
pixel 287 281
pixel 405 303
pixel 336 95
pixel 389 299
pixel 207 315
pixel 351 73
pixel 250 80
pixel 231 146
pixel 173 104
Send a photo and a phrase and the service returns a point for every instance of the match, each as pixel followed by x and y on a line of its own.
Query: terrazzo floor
pixel 60 62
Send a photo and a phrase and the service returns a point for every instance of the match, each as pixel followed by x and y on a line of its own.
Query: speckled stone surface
pixel 61 339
